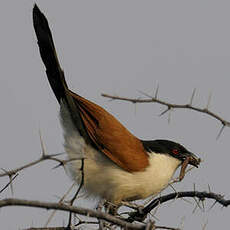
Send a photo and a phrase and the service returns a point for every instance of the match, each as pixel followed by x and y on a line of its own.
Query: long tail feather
pixel 48 54
pixel 53 70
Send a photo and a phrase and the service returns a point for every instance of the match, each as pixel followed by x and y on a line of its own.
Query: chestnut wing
pixel 111 137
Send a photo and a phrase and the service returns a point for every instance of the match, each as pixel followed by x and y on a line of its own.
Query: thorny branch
pixel 149 226
pixel 141 213
pixel 77 210
pixel 171 106
pixel 44 156
pixel 134 216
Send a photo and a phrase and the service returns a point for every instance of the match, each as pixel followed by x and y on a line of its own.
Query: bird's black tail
pixel 54 72
pixel 48 54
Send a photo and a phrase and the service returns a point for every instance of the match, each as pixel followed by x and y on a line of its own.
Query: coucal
pixel 117 165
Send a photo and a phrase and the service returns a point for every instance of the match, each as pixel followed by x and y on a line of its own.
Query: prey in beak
pixel 189 158
pixel 193 160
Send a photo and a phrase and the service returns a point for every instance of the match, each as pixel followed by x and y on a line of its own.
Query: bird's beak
pixel 193 159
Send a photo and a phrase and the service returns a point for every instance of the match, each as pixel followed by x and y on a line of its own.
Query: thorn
pixel 176 197
pixel 209 190
pixel 193 211
pixel 57 154
pixel 77 217
pixel 155 211
pixel 156 93
pixel 209 100
pixel 220 132
pixel 188 201
pixel 169 116
pixel 173 188
pixel 145 94
pixel 192 97
pixel 5 171
pixel 203 207
pixel 194 187
pixel 198 205
pixel 212 205
pixel 205 225
pixel 58 165
pixel 42 143
pixel 11 185
pixel 165 111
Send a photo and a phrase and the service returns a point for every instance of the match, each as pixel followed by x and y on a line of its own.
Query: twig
pixel 50 228
pixel 60 201
pixel 77 210
pixel 11 180
pixel 170 106
pixel 140 215
pixel 42 158
pixel 164 227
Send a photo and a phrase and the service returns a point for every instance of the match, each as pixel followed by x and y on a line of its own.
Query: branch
pixel 63 207
pixel 141 214
pixel 50 228
pixel 60 202
pixel 9 183
pixel 78 190
pixel 173 106
pixel 42 158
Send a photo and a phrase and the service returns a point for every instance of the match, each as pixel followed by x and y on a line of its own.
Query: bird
pixel 117 166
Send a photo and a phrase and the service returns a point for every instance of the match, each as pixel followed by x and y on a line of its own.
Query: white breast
pixel 105 179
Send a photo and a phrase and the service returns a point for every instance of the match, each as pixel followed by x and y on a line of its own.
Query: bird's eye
pixel 175 151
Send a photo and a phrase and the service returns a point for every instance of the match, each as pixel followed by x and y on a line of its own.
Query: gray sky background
pixel 117 47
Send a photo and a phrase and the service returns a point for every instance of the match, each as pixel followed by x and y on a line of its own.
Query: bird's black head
pixel 173 149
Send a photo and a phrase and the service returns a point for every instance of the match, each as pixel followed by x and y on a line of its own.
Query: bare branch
pixel 42 158
pixel 50 228
pixel 174 106
pixel 140 215
pixel 77 210
pixel 164 227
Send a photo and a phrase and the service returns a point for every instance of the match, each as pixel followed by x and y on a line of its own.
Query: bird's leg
pixel 111 208
pixel 100 204
pixel 99 208
pixel 183 168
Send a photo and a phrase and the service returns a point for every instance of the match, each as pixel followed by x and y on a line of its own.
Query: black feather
pixel 53 70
